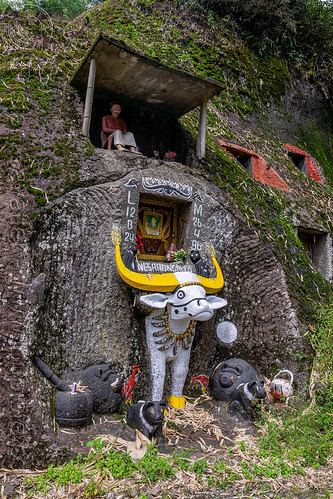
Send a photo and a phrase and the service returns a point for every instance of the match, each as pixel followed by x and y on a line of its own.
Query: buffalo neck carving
pixel 165 337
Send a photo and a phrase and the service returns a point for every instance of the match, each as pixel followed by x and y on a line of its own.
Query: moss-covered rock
pixel 263 105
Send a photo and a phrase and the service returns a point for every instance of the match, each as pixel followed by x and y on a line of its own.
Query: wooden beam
pixel 201 140
pixel 89 98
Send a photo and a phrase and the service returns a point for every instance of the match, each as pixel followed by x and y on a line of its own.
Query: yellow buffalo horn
pixel 165 283
pixel 213 286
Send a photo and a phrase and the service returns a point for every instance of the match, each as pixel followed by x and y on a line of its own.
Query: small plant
pixel 179 256
pixel 200 467
pixel 170 156
pixel 181 459
pixel 156 154
pixel 96 445
pixel 155 467
pixel 118 465
pixel 92 489
pixel 71 472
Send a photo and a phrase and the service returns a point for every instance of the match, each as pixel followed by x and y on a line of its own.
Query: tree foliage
pixel 61 8
pixel 300 30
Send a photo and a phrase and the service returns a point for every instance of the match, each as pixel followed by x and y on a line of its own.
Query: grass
pixel 306 436
pixel 105 465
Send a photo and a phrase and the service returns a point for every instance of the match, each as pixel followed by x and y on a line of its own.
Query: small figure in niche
pixel 115 130
pixel 153 225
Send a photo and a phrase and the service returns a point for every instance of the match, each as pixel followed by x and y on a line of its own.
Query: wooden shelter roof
pixel 121 71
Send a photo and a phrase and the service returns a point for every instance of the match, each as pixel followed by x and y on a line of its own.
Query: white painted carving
pixel 175 314
pixel 198 196
pixel 167 187
pixel 226 332
pixel 131 212
pixel 161 267
pixel 132 183
pixel 196 244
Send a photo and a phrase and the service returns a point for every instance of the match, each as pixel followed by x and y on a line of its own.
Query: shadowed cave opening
pixel 318 248
pixel 299 161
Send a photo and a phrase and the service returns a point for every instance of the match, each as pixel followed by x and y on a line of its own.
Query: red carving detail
pixel 203 380
pixel 129 385
pixel 262 172
pixel 138 241
pixel 311 166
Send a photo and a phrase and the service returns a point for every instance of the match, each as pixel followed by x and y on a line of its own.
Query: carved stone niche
pixel 318 248
pixel 157 226
pixel 159 214
pixel 86 309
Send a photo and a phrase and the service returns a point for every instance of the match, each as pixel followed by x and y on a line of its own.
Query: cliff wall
pixel 60 195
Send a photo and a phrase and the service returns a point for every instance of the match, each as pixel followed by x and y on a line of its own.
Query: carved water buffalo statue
pixel 170 333
pixel 181 302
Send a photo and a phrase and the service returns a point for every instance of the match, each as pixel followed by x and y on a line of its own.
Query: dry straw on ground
pixel 210 447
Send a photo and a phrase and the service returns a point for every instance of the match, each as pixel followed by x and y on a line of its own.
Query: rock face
pixel 88 312
pixel 20 414
pixel 79 312
pixel 61 295
pixel 82 313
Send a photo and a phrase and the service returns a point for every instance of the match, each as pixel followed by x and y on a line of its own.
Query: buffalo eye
pixel 176 311
pixel 180 294
pixel 152 411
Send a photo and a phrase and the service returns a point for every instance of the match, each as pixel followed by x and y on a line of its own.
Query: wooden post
pixel 201 140
pixel 89 98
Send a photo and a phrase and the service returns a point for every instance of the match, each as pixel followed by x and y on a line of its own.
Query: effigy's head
pixel 188 301
pixel 115 108
pixel 183 293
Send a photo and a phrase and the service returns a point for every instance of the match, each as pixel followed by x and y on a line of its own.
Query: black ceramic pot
pixel 73 410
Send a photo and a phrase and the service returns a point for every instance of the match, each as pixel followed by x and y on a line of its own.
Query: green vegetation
pixel 268 213
pixel 306 436
pixel 105 462
pixel 42 151
pixel 300 30
pixel 61 8
pixel 320 146
pixel 286 446
pixel 44 159
pixel 321 338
